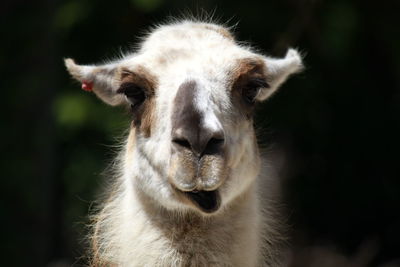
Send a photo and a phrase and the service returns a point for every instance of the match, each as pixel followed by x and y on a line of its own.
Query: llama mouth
pixel 207 201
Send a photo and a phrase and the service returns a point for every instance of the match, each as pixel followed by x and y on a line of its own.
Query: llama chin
pixel 187 191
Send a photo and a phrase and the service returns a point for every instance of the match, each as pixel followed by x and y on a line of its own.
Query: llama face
pixel 191 90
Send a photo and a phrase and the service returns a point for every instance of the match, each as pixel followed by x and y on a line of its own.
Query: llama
pixel 187 190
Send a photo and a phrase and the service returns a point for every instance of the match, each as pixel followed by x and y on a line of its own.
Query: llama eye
pixel 249 94
pixel 134 94
pixel 250 91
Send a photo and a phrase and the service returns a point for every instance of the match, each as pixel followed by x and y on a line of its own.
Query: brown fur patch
pixel 147 117
pixel 144 114
pixel 246 70
pixel 249 68
pixel 139 76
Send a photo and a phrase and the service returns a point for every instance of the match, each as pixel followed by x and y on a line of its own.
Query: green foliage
pixel 72 110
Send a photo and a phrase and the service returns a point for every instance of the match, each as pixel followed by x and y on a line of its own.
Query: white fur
pixel 144 223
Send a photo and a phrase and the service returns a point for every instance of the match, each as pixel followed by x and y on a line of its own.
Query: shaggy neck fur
pixel 133 229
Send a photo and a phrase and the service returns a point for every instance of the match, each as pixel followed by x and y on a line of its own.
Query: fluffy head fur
pixel 187 192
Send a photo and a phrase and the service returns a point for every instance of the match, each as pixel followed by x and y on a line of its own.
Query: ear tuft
pixel 278 70
pixel 78 72
pixel 296 60
pixel 72 68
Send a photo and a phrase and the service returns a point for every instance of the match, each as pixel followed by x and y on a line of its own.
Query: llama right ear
pixel 278 70
pixel 102 80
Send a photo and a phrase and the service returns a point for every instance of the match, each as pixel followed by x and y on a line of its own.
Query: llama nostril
pixel 199 142
pixel 213 146
pixel 182 142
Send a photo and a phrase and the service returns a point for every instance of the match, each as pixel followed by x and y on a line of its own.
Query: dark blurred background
pixel 332 131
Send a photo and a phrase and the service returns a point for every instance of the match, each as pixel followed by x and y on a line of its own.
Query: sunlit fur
pixel 144 222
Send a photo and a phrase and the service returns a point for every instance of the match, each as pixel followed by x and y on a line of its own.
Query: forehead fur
pixel 179 29
pixel 190 33
pixel 197 42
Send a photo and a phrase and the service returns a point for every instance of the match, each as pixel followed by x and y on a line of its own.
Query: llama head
pixel 191 90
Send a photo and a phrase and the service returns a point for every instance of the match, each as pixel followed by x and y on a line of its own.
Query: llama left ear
pixel 278 70
pixel 102 80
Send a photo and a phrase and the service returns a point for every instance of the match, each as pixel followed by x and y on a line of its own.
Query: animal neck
pixel 231 235
pixel 218 238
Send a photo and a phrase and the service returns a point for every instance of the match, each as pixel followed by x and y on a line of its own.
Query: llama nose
pixel 200 142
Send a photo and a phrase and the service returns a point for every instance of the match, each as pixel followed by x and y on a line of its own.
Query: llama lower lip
pixel 207 201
